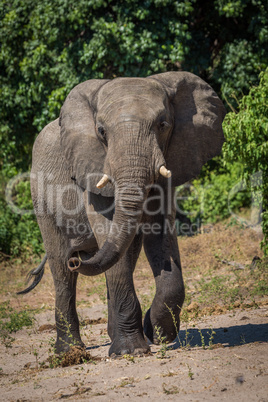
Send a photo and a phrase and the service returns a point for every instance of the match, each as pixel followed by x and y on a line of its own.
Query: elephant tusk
pixel 164 172
pixel 79 256
pixel 103 181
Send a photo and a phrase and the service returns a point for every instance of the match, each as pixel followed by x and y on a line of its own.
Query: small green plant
pixel 54 359
pixel 173 318
pixel 75 354
pixel 211 337
pixel 185 344
pixel 202 338
pixel 65 323
pixel 190 373
pixel 161 354
pixel 129 358
pixel 6 338
pixel 12 321
pixel 185 317
pixel 170 390
pixel 36 355
pixel 243 339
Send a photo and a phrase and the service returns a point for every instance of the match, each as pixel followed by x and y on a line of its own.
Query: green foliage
pixel 19 234
pixel 242 56
pixel 12 321
pixel 49 46
pixel 240 177
pixel 209 198
pixel 246 133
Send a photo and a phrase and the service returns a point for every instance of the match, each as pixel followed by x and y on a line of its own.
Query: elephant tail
pixel 37 274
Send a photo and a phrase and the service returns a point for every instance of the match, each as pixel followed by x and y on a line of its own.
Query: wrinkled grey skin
pixel 126 128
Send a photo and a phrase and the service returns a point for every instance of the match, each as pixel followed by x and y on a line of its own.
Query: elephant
pixel 103 181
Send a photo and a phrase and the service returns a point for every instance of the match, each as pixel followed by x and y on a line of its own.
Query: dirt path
pixel 234 368
pixel 223 356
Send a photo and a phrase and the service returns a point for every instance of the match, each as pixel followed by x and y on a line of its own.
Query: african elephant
pixel 101 176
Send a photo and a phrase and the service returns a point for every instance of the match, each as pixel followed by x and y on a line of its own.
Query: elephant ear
pixel 197 134
pixel 84 153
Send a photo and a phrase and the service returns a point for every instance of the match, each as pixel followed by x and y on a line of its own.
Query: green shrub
pixel 12 321
pixel 246 135
pixel 209 198
pixel 239 178
pixel 47 47
pixel 19 233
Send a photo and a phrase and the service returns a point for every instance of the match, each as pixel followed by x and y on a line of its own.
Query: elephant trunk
pixel 129 201
pixel 133 174
pixel 98 264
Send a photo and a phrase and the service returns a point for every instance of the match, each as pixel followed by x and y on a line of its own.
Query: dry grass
pixel 211 284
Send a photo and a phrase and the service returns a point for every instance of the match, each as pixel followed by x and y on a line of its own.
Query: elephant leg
pixel 133 253
pixel 67 323
pixel 162 251
pixel 124 311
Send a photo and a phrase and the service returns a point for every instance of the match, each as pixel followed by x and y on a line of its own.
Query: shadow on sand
pixel 227 336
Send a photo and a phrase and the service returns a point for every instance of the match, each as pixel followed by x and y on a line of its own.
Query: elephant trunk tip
pixel 74 263
pixel 97 263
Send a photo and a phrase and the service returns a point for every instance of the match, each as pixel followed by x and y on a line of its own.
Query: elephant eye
pixel 102 133
pixel 164 124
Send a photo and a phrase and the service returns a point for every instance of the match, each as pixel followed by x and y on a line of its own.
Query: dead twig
pixel 5 257
pixel 234 264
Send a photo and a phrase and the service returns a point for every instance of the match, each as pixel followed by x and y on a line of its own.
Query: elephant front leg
pixel 163 255
pixel 67 323
pixel 124 311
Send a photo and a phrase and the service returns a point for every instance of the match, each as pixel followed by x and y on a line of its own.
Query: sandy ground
pixel 218 357
pixel 235 368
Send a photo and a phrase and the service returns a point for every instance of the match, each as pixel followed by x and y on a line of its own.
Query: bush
pixel 239 178
pixel 246 135
pixel 209 198
pixel 47 47
pixel 19 234
pixel 12 321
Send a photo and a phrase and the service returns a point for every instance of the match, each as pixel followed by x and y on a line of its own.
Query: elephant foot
pixel 155 330
pixel 129 345
pixel 64 343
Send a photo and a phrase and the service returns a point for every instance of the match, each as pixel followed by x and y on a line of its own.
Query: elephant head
pixel 119 136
